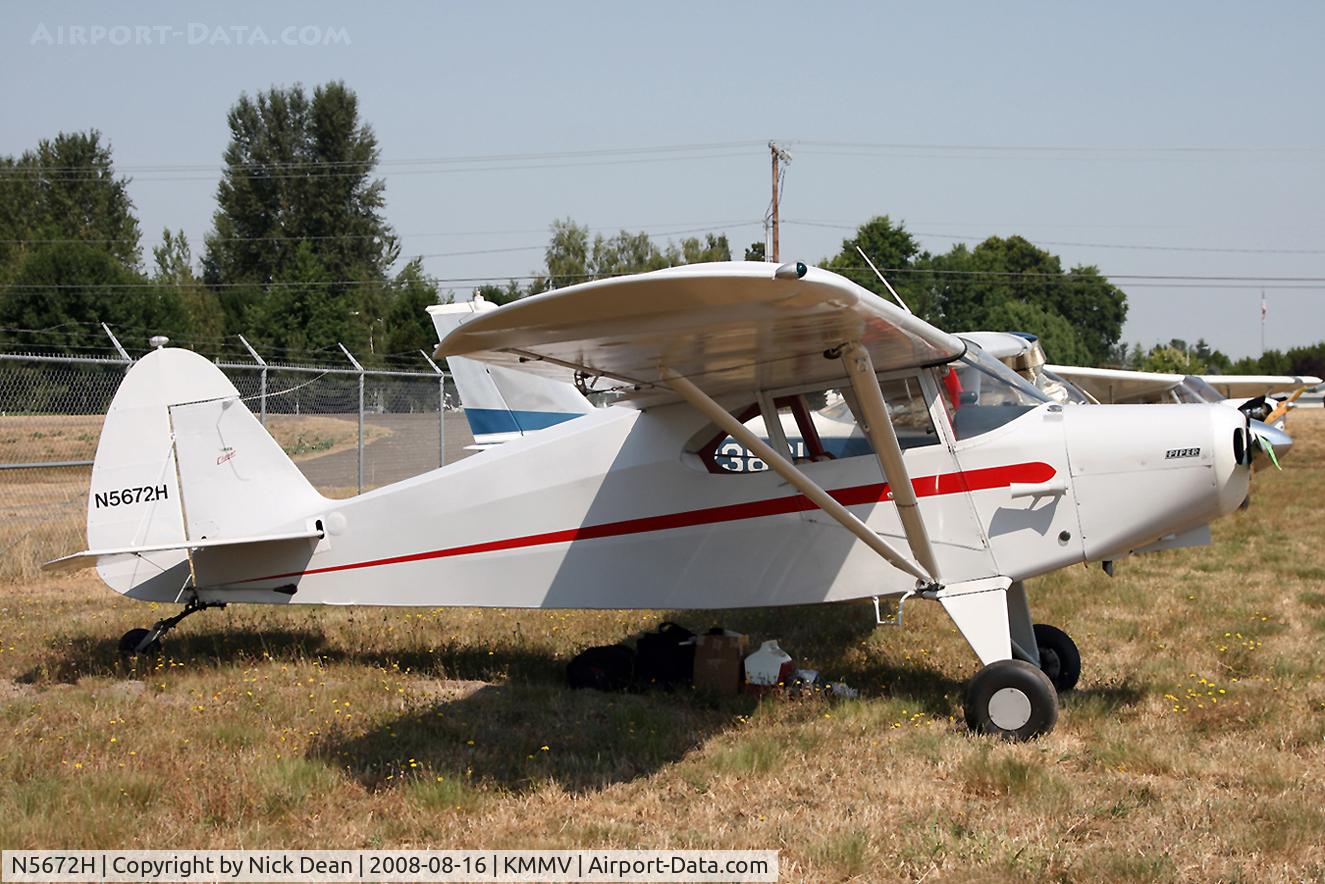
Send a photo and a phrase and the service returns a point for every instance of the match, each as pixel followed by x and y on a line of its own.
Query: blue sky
pixel 438 80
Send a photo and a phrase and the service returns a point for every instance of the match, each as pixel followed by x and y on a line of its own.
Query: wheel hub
pixel 1009 709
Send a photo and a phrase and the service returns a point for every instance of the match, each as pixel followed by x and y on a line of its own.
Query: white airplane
pixel 972 486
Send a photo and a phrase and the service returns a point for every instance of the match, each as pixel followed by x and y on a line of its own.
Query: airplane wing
pixel 1115 385
pixel 1000 345
pixel 1242 386
pixel 727 327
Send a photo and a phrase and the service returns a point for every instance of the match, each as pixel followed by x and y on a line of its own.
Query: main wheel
pixel 1059 657
pixel 130 641
pixel 1013 699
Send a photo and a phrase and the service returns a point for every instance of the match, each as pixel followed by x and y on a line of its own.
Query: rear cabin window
pixel 830 432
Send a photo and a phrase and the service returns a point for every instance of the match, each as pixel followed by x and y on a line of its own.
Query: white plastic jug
pixel 768 666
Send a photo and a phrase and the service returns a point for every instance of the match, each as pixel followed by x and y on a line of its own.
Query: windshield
pixel 983 394
pixel 1203 390
pixel 1061 389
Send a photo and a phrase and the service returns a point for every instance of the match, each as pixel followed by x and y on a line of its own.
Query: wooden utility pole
pixel 780 160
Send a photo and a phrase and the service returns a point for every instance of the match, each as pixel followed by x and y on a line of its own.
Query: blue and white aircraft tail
pixel 500 403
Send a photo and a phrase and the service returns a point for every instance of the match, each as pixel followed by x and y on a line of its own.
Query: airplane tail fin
pixel 499 403
pixel 181 464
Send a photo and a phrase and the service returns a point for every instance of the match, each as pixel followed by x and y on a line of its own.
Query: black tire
pixel 130 641
pixel 1012 699
pixel 1059 657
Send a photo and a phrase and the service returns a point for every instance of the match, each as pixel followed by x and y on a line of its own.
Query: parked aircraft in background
pixel 501 404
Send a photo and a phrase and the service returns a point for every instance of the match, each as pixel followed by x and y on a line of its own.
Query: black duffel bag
pixel 664 658
pixel 606 668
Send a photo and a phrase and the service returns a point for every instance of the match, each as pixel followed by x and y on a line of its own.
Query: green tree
pixel 755 252
pixel 408 328
pixel 567 254
pixel 969 286
pixel 891 248
pixel 1058 336
pixel 627 253
pixel 693 250
pixel 1307 360
pixel 67 189
pixel 62 288
pixel 1171 359
pixel 71 243
pixel 201 308
pixel 305 313
pixel 571 257
pixel 298 191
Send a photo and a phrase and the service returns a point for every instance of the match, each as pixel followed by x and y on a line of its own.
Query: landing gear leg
pixel 1009 697
pixel 147 642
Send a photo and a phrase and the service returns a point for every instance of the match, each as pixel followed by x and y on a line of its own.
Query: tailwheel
pixel 1059 657
pixel 1013 699
pixel 147 642
pixel 131 643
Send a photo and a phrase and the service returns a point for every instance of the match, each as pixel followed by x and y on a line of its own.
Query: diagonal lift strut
pixel 778 462
pixel 883 437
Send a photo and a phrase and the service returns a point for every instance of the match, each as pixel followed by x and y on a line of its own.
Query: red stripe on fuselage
pixel 925 486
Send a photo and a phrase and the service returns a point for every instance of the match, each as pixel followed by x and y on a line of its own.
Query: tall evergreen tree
pixel 299 172
pixel 298 209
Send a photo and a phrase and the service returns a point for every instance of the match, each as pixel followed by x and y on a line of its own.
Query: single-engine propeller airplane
pixel 972 483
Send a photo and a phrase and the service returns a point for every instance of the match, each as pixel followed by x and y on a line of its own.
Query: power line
pixel 316 174
pixel 661 229
pixel 416 161
pixel 639 150
pixel 1233 250
pixel 1063 148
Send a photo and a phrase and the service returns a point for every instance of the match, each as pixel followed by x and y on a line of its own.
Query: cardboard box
pixel 719 663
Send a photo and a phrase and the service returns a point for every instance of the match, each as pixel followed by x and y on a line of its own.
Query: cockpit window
pixel 1202 389
pixel 1061 389
pixel 1184 395
pixel 982 394
pixel 814 435
pixel 907 408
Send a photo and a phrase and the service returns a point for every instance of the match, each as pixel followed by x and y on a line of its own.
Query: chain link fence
pixel 348 429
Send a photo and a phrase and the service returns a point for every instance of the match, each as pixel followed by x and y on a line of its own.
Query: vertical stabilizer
pixel 181 458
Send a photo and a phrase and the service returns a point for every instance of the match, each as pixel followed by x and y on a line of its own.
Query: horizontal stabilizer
pixel 90 557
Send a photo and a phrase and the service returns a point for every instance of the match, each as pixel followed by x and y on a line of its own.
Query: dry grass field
pixel 1193 749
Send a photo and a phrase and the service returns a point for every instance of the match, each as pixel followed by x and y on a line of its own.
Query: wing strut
pixel 784 468
pixel 882 435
